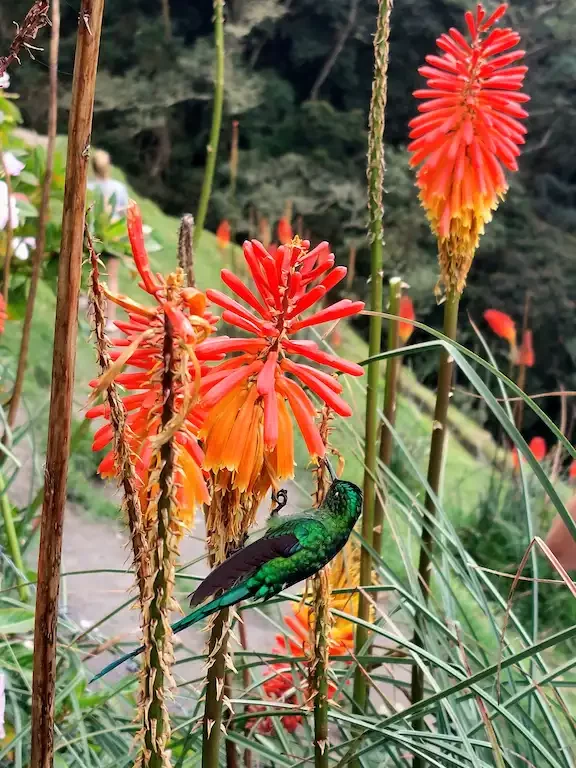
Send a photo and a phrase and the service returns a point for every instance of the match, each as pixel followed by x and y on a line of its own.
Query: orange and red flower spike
pixel 468 129
pixel 287 286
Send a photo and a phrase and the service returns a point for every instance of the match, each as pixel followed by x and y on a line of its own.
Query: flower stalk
pixel 43 214
pixel 62 387
pixel 122 452
pixel 318 669
pixel 468 129
pixel 159 655
pixel 376 234
pixel 12 540
pixel 393 366
pixel 212 148
pixel 435 464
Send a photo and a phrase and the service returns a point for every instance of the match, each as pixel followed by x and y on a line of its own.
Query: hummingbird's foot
pixel 280 499
pixel 241 544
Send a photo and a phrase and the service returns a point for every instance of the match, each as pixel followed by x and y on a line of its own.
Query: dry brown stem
pixel 124 460
pixel 43 216
pixel 62 388
pixel 35 19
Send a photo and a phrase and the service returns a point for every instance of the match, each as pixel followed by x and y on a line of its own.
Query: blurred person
pixel 115 195
pixel 560 540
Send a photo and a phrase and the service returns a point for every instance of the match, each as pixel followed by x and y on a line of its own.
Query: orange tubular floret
pixel 136 236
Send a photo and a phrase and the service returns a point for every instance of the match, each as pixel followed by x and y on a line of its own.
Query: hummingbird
pixel 293 548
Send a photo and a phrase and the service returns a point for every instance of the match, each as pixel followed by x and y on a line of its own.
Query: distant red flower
pixel 572 471
pixel 248 427
pixel 3 313
pixel 284 231
pixel 526 351
pixel 502 325
pixel 405 330
pixel 223 234
pixel 538 447
pixel 467 130
pixel 278 686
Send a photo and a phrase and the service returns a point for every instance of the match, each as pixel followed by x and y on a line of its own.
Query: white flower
pixel 21 247
pixel 12 165
pixel 5 80
pixel 4 213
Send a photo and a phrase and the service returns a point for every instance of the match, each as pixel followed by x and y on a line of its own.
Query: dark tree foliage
pixel 298 80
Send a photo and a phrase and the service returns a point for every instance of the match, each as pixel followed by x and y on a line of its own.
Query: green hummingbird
pixel 293 548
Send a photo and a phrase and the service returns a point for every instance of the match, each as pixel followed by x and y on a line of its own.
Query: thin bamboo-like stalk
pixel 212 148
pixel 376 234
pixel 435 464
pixel 62 389
pixel 9 231
pixel 43 215
pixel 12 540
pixel 393 366
pixel 351 268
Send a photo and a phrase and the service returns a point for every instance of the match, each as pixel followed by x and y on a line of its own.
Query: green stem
pixel 212 148
pixel 393 366
pixel 214 690
pixel 12 538
pixel 435 465
pixel 376 234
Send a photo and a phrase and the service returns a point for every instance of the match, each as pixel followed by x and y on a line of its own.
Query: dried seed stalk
pixel 320 654
pixel 35 19
pixel 156 677
pixel 124 459
pixel 186 248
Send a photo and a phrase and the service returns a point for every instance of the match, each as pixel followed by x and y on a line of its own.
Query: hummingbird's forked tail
pixel 231 597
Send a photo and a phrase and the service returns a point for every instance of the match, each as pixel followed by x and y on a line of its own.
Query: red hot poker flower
pixel 469 127
pixel 538 447
pixel 405 330
pixel 502 325
pixel 248 396
pixel 526 353
pixel 284 231
pixel 142 349
pixel 223 235
pixel 572 471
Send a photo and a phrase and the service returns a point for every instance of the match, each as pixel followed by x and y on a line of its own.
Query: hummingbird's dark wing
pixel 275 543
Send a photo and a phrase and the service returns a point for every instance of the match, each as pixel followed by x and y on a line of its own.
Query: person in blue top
pixel 115 195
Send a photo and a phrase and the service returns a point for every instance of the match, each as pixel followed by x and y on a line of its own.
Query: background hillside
pixel 298 80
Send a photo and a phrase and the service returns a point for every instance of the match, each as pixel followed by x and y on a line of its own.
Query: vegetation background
pixel 298 75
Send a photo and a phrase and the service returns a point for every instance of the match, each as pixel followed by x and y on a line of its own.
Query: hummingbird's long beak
pixel 330 469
